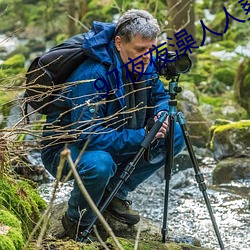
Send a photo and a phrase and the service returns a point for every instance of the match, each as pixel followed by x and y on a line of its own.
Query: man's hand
pixel 164 128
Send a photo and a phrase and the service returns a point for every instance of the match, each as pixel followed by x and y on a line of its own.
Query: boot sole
pixel 121 219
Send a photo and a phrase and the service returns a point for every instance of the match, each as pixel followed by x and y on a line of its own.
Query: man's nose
pixel 146 55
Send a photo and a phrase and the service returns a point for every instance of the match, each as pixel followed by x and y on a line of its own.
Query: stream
pixel 187 212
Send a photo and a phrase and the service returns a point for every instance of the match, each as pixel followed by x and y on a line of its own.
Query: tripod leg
pixel 168 173
pixel 199 176
pixel 129 169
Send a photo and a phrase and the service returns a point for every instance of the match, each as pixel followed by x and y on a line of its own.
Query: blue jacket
pixel 101 120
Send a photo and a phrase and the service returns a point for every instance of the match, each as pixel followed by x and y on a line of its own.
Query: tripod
pixel 173 90
pixel 129 169
pixel 169 163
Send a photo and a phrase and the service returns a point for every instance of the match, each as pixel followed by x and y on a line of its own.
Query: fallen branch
pixel 66 154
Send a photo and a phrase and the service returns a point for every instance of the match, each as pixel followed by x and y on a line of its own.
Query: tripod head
pixel 174 89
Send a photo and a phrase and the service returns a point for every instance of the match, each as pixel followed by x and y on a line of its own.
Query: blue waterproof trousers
pixel 99 171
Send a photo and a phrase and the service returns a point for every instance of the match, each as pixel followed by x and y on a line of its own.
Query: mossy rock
pixel 22 200
pixel 232 139
pixel 128 244
pixel 10 231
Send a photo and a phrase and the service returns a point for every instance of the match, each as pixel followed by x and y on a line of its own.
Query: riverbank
pixel 188 215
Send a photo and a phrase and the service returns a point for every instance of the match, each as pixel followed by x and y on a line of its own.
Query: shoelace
pixel 127 203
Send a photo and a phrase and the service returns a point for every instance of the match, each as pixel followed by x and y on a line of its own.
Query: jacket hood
pixel 98 43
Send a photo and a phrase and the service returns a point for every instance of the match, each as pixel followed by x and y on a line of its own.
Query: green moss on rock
pixel 230 139
pixel 6 243
pixel 22 200
pixel 12 238
pixel 128 244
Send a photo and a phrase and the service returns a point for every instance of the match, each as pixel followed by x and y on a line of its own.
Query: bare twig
pixel 99 238
pixel 66 154
pixel 77 21
pixel 137 236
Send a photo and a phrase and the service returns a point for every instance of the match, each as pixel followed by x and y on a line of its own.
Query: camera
pixel 176 64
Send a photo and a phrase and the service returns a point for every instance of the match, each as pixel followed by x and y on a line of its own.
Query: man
pixel 108 105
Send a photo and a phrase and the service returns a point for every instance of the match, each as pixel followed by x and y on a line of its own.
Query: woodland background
pixel 220 66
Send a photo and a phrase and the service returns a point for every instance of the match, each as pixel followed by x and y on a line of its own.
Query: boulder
pixel 231 139
pixel 231 169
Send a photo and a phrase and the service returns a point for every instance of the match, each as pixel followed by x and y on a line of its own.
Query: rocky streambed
pixel 188 215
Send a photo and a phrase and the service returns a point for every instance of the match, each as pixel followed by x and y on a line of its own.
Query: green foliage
pixel 214 101
pixel 16 61
pixel 224 76
pixel 219 102
pixel 13 66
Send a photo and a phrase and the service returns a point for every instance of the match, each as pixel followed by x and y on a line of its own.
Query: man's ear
pixel 118 43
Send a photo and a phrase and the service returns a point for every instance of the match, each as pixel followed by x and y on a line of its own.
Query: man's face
pixel 136 47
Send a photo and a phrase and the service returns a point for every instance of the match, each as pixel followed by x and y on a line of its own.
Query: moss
pixel 236 125
pixel 13 239
pixel 221 133
pixel 9 219
pixel 6 243
pixel 214 101
pixel 128 244
pixel 229 45
pixel 16 237
pixel 13 66
pixel 22 200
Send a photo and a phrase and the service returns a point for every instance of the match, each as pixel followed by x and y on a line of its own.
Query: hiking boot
pixel 121 211
pixel 75 231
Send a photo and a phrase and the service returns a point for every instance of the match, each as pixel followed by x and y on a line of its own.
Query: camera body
pixel 173 65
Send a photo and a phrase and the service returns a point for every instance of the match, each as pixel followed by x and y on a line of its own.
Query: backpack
pixel 47 74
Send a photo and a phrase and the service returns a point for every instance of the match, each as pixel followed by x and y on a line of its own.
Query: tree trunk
pixel 72 13
pixel 83 7
pixel 181 16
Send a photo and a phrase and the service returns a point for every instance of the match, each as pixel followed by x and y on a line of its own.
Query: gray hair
pixel 137 22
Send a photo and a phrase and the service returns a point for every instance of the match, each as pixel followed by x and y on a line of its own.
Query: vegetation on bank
pixel 20 209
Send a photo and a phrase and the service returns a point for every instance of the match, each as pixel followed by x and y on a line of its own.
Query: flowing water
pixel 187 212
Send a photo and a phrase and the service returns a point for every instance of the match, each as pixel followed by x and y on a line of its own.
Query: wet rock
pixel 231 169
pixel 181 179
